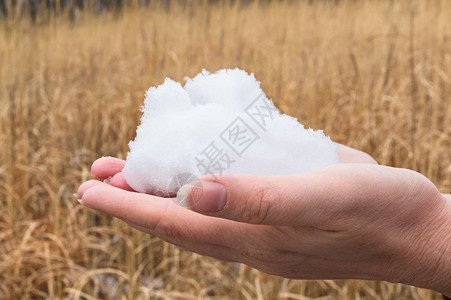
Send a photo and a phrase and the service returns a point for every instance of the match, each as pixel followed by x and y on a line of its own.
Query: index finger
pixel 161 216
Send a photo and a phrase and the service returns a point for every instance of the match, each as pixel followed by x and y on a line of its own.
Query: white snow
pixel 218 123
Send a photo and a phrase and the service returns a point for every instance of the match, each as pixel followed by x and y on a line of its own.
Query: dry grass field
pixel 375 75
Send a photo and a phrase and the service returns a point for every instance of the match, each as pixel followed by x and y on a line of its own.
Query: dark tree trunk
pixel 3 9
pixel 33 6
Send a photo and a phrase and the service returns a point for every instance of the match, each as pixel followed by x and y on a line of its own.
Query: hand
pixel 354 220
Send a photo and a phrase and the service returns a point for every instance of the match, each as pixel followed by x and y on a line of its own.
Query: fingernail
pixel 202 196
pixel 78 198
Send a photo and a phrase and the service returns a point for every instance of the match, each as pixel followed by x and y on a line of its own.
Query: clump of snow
pixel 218 123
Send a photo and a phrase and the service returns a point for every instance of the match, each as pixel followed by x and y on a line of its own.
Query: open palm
pixel 351 220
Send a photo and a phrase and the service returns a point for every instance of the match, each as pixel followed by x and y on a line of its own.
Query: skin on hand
pixel 353 220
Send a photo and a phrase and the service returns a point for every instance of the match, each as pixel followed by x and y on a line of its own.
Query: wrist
pixel 428 264
pixel 444 265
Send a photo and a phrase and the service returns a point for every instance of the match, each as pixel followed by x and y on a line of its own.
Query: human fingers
pixel 270 200
pixel 340 192
pixel 216 237
pixel 162 217
pixel 118 181
pixel 105 167
pixel 87 185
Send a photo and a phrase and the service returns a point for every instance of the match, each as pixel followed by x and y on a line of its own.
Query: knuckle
pixel 258 202
pixel 423 186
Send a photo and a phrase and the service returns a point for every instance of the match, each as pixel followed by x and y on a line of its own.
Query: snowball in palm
pixel 218 123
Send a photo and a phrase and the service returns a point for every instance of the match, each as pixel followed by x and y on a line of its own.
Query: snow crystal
pixel 218 123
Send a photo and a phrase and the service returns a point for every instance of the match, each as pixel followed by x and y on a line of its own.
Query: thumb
pixel 274 200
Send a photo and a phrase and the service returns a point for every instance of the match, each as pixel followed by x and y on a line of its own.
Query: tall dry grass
pixel 375 75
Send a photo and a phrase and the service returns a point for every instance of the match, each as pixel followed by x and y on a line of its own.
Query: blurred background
pixel 375 75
